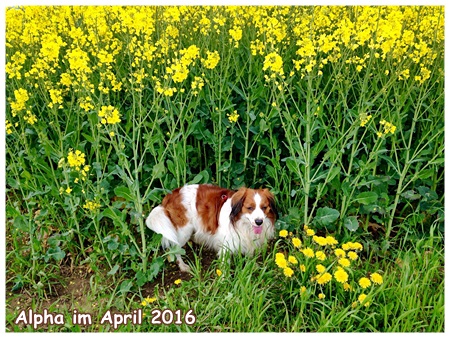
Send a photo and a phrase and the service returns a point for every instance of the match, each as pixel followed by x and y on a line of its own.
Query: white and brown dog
pixel 221 219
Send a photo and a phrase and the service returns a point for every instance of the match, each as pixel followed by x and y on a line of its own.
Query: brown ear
pixel 271 200
pixel 236 204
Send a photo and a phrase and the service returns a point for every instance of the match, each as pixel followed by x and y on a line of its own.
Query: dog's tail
pixel 158 221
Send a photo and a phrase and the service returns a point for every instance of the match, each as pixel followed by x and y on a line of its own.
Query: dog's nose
pixel 258 221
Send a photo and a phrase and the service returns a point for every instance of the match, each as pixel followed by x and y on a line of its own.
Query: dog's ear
pixel 271 200
pixel 273 206
pixel 237 201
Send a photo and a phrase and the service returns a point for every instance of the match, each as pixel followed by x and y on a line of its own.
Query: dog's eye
pixel 264 208
pixel 250 208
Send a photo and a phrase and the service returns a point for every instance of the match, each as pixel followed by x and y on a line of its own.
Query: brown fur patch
pixel 174 209
pixel 268 200
pixel 210 199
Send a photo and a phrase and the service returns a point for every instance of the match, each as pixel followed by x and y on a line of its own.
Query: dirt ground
pixel 73 290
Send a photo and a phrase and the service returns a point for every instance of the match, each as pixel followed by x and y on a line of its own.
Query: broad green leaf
pixel 368 197
pixel 326 215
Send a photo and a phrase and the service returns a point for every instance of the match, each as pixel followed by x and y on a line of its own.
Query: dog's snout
pixel 258 221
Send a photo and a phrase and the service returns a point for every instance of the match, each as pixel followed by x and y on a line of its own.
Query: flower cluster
pixel 233 117
pixel 318 261
pixel 364 119
pixel 91 206
pixel 387 128
pixel 109 115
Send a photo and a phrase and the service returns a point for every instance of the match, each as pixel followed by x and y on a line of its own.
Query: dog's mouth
pixel 257 229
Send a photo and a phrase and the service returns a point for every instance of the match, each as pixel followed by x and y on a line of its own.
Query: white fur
pixel 235 238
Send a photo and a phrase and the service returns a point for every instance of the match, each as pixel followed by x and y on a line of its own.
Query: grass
pixel 249 297
pixel 337 110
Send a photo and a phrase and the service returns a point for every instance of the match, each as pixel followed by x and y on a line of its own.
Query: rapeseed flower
pixel 109 115
pixel 233 117
pixel 218 272
pixel 274 62
pixel 91 206
pixel 211 60
pixel 76 159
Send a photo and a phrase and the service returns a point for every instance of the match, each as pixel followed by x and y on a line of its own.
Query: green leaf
pixel 124 192
pixel 202 177
pixel 55 253
pixel 113 270
pixel 141 278
pixel 158 170
pixel 125 286
pixel 155 267
pixel 325 216
pixel 351 223
pixel 368 197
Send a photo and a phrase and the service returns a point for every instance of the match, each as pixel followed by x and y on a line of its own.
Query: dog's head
pixel 256 206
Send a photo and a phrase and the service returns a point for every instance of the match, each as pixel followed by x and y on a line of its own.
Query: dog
pixel 219 218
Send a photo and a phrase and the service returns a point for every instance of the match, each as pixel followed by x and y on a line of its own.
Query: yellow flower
pixel 324 278
pixel 376 278
pixel 233 119
pixel 344 262
pixel 321 296
pixel 147 301
pixel 320 255
pixel 303 289
pixel 308 252
pixel 177 282
pixel 296 242
pixel 283 233
pixel 9 127
pixel 302 267
pixel 310 232
pixel 76 159
pixel 280 261
pixel 362 299
pixel 288 272
pixel 330 240
pixel 339 253
pixel 91 205
pixel 274 62
pixel 211 60
pixel 109 115
pixel 320 240
pixel 352 255
pixel 320 268
pixel 292 260
pixel 218 272
pixel 364 282
pixel 341 276
pixel 68 190
pixel 347 287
